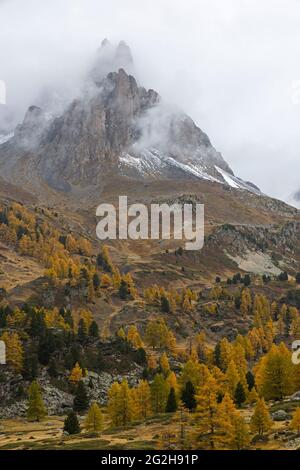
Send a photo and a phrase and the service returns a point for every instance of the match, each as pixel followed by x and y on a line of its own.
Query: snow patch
pixel 5 138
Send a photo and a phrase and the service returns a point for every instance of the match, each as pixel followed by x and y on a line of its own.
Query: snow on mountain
pixel 5 137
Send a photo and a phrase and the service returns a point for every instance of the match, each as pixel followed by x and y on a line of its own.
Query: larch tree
pixel 274 373
pixel 94 418
pixel 143 399
pixel 159 393
pixel 36 407
pixel 121 406
pixel 76 374
pixel 232 378
pixel 261 420
pixel 295 423
pixel 14 350
pixel 211 424
pixel 164 364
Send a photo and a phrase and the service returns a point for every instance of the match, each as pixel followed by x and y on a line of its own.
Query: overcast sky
pixel 230 64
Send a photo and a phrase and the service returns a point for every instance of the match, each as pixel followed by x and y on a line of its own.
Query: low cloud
pixel 230 65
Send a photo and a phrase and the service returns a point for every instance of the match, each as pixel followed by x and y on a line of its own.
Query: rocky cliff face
pixel 116 127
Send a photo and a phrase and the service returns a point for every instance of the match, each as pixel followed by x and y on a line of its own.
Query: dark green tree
pixel 96 281
pixel 81 401
pixel 188 396
pixel 171 405
pixel 250 380
pixel 94 330
pixel 71 424
pixel 123 290
pixel 165 304
pixel 52 369
pixel 239 395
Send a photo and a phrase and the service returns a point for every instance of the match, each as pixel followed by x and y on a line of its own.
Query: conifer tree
pixel 94 418
pixel 143 399
pixel 252 396
pixel 159 393
pixel 239 394
pixel 261 421
pixel 121 406
pixel 52 369
pixel 211 424
pixel 232 378
pixel 295 423
pixel 36 408
pixel 171 405
pixel 274 373
pixel 71 424
pixel 76 374
pixel 188 396
pixel 94 330
pixel 240 437
pixel 14 350
pixel 81 401
pixel 164 363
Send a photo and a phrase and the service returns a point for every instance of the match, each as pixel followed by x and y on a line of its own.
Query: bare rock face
pixel 115 128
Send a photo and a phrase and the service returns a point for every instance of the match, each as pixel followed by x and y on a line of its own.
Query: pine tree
pixel 261 421
pixel 171 405
pixel 71 424
pixel 188 396
pixel 295 423
pixel 94 419
pixel 36 408
pixel 239 394
pixel 250 380
pixel 82 331
pixel 81 401
pixel 123 290
pixel 52 369
pixel 165 304
pixel 94 330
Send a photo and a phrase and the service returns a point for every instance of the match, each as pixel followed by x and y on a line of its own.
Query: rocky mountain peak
pixel 115 127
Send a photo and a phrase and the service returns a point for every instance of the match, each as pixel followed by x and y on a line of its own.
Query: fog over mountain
pixel 232 66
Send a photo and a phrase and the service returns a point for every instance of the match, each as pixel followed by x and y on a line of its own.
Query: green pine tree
pixel 81 401
pixel 71 424
pixel 239 395
pixel 171 406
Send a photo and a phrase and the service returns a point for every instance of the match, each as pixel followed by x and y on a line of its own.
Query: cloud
pixel 229 64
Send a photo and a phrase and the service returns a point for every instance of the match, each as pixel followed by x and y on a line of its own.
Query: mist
pixel 232 65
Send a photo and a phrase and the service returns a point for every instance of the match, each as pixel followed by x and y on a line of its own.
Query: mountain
pixel 115 127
